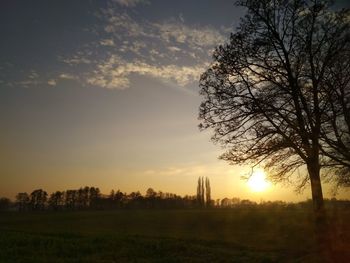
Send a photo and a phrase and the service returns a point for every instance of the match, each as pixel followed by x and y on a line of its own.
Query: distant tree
pixel 22 201
pixel 226 202
pixel 161 195
pixel 135 199
pixel 189 201
pixel 86 196
pixel 94 195
pixel 248 203
pixel 199 192
pixel 270 94
pixel 91 197
pixel 81 198
pixel 151 197
pixel 119 197
pixel 71 199
pixel 207 192
pixel 56 200
pixel 203 192
pixel 5 203
pixel 38 199
pixel 112 195
pixel 235 201
pixel 150 193
pixel 135 195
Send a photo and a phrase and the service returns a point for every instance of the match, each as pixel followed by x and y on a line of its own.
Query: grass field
pixel 218 235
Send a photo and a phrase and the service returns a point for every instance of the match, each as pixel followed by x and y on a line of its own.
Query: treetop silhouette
pixel 277 94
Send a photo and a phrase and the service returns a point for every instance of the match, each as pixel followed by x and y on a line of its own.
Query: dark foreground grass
pixel 237 235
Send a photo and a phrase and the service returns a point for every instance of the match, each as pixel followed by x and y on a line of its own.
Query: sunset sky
pixel 105 93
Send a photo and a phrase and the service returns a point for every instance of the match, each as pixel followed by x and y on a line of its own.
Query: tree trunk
pixel 316 188
pixel 322 228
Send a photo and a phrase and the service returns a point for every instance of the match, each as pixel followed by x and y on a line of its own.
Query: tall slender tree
pixel 207 192
pixel 199 192
pixel 202 192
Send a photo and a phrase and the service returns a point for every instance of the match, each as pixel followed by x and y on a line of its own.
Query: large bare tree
pixel 277 93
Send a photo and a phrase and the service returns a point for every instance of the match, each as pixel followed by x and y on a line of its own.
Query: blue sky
pixel 105 93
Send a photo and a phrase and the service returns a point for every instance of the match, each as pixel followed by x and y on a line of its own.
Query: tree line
pixel 92 198
pixel 81 199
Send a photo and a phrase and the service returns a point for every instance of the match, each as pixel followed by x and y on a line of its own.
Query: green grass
pixel 237 235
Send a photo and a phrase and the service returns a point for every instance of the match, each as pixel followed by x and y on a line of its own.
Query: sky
pixel 106 94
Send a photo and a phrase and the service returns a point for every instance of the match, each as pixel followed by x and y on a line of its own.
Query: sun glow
pixel 257 182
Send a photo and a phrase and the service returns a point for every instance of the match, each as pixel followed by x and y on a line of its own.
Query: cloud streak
pixel 130 3
pixel 169 51
pixel 125 45
pixel 115 73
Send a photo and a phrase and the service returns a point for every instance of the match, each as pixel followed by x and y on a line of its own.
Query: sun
pixel 257 182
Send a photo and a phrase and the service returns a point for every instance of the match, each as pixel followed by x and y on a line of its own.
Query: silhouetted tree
pixel 81 198
pixel 94 194
pixel 151 197
pixel 118 197
pixel 135 199
pixel 56 200
pixel 5 203
pixel 203 192
pixel 189 201
pixel 90 197
pixel 200 192
pixel 112 195
pixel 150 193
pixel 86 196
pixel 71 199
pixel 226 202
pixel 265 94
pixel 207 192
pixel 38 199
pixel 22 201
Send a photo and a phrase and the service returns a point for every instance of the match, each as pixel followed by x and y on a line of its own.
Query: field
pixel 218 235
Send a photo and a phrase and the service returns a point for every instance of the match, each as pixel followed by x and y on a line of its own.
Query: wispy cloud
pixel 32 79
pixel 120 25
pixel 115 73
pixel 130 3
pixel 52 82
pixel 169 51
pixel 194 37
pixel 127 45
pixel 195 170
pixel 76 60
pixel 66 76
pixel 107 42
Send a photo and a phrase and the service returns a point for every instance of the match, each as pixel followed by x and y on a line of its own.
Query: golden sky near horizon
pixel 106 95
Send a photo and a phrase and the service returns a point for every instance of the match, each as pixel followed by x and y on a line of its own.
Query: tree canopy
pixel 277 93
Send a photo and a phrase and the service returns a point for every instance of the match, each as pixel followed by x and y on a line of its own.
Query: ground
pixel 217 235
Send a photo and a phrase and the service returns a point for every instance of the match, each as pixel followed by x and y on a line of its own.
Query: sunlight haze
pixel 105 94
